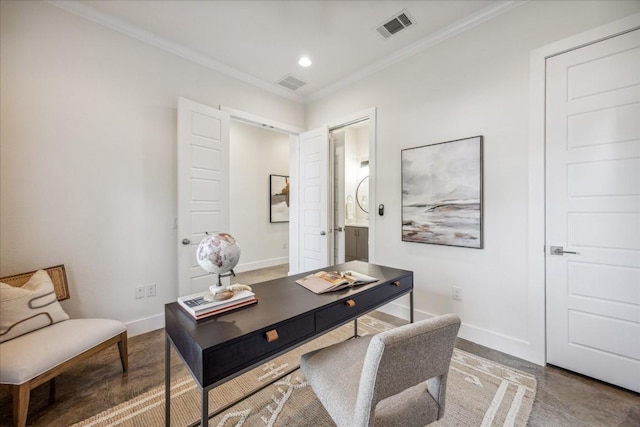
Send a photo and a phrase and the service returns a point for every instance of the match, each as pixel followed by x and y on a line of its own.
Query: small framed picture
pixel 278 198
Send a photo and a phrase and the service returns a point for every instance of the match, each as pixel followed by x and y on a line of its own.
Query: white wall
pixel 255 154
pixel 476 83
pixel 88 154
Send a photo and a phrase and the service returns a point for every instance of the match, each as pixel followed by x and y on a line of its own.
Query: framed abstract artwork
pixel 278 198
pixel 442 193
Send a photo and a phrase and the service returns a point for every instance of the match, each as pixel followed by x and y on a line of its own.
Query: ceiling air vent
pixel 398 23
pixel 291 82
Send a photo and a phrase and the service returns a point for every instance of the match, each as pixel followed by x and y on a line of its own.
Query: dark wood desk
pixel 219 348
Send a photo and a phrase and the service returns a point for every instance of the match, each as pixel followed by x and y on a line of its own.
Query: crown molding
pixel 480 17
pixel 91 14
pixel 438 37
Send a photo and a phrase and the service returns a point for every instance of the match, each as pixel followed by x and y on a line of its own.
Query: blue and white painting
pixel 442 193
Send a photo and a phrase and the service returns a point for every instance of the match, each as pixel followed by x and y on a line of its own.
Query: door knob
pixel 323 233
pixel 186 241
pixel 559 250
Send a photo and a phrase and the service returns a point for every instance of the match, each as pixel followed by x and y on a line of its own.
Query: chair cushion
pixel 31 306
pixel 338 391
pixel 30 355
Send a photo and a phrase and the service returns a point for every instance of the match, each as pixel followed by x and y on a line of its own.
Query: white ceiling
pixel 260 42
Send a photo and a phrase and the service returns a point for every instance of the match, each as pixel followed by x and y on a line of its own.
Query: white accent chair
pixel 395 378
pixel 39 356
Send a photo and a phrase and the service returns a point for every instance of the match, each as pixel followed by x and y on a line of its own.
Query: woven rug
pixel 479 393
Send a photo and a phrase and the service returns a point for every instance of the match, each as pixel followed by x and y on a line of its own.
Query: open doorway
pixel 317 231
pixel 350 176
pixel 256 154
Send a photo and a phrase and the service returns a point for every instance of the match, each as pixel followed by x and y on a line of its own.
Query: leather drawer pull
pixel 350 303
pixel 272 335
pixel 396 283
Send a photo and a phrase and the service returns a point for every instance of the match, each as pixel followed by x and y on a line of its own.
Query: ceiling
pixel 260 42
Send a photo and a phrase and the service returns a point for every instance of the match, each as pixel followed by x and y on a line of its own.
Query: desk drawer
pixel 361 303
pixel 240 354
pixel 394 288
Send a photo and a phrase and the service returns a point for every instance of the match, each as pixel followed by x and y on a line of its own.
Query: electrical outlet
pixel 139 292
pixel 151 290
pixel 456 293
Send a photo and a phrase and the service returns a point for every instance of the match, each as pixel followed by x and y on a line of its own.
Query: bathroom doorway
pixel 350 176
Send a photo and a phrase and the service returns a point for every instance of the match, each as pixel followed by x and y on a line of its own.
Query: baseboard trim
pixel 397 309
pixel 250 266
pixel 144 325
pixel 504 343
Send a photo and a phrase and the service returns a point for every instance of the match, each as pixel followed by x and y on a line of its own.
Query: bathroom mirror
pixel 362 194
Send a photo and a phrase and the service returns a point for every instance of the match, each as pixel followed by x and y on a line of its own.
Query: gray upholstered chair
pixel 395 378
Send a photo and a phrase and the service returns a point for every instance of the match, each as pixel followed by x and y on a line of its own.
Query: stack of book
pixel 203 305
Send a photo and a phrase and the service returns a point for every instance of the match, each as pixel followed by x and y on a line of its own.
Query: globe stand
pixel 220 276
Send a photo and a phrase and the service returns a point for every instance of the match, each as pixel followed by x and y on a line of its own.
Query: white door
pixel 314 201
pixel 203 186
pixel 339 196
pixel 593 210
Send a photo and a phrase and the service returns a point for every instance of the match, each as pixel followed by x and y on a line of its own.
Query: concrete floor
pixel 563 398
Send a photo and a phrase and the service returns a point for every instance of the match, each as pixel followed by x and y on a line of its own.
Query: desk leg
pixel 167 382
pixel 205 408
pixel 411 306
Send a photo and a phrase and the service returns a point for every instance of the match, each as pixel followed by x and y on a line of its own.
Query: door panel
pixel 604 230
pixel 351 244
pixel 339 196
pixel 585 279
pixel 603 72
pixel 593 128
pixel 593 209
pixel 314 201
pixel 363 244
pixel 615 336
pixel 203 186
pixel 603 178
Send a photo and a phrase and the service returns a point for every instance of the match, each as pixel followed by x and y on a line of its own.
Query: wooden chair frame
pixel 21 392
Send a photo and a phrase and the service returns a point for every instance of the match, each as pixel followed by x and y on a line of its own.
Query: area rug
pixel 479 393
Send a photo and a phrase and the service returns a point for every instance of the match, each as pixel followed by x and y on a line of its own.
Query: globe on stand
pixel 218 253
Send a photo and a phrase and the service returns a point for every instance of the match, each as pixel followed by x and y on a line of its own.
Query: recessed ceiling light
pixel 305 61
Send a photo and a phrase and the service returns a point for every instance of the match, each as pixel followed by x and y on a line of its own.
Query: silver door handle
pixel 338 229
pixel 322 233
pixel 186 241
pixel 559 250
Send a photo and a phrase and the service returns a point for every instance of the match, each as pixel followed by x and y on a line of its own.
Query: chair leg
pixel 124 353
pixel 20 404
pixel 52 391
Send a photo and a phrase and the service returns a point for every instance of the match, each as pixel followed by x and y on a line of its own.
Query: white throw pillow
pixel 32 306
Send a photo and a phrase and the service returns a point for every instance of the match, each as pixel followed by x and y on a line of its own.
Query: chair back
pixel 57 274
pixel 404 357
